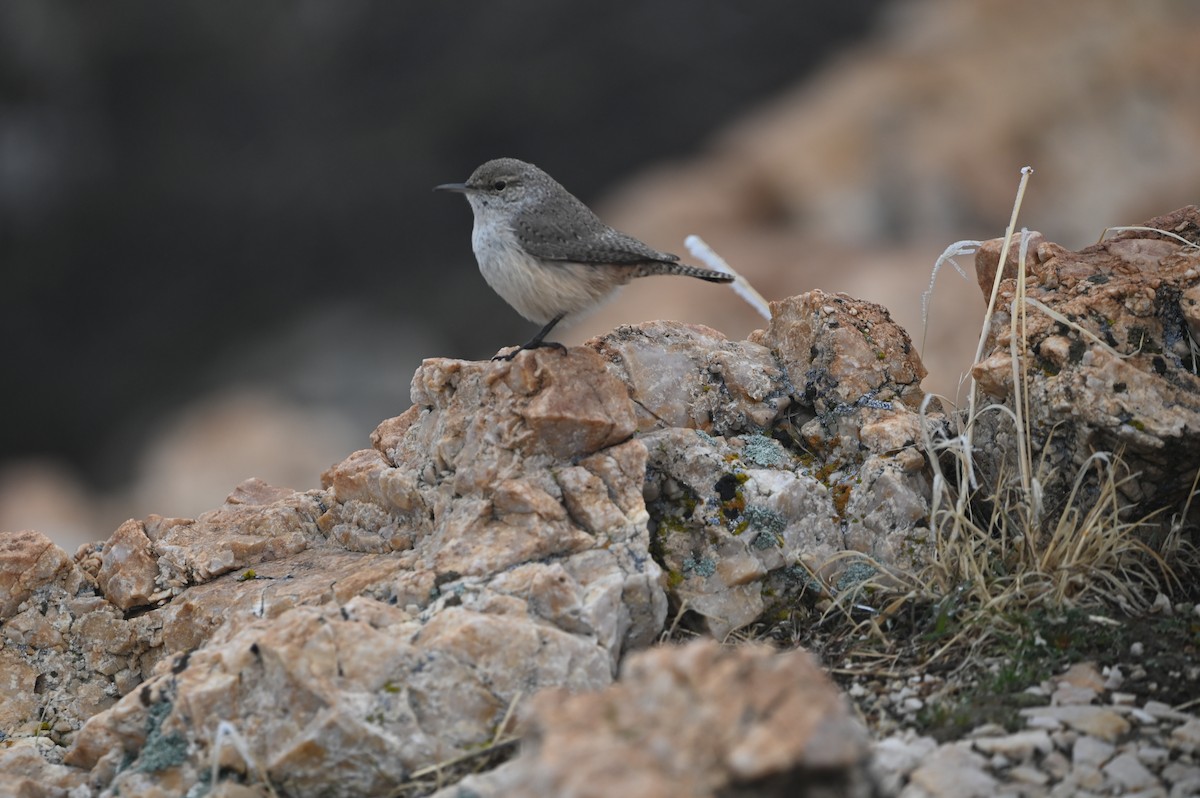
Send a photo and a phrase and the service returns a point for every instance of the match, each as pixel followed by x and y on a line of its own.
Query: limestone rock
pixel 27 772
pixel 690 376
pixel 495 543
pixel 747 522
pixel 1119 375
pixel 502 536
pixel 28 560
pixel 697 720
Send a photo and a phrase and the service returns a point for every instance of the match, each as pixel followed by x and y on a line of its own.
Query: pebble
pixel 1163 711
pixel 1090 751
pixel 953 772
pixel 1187 735
pixel 1097 721
pixel 1130 773
pixel 1019 746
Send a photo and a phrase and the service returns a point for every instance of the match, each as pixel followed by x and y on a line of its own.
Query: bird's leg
pixel 536 341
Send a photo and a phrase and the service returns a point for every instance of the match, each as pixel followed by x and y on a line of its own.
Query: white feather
pixel 703 252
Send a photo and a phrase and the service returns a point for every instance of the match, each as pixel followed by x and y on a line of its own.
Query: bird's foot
pixel 532 345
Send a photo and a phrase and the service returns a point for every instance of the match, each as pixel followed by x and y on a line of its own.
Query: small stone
pixel 1115 678
pixel 1028 774
pixel 1019 746
pixel 1187 736
pixel 1142 716
pixel 1127 771
pixel 987 730
pixel 1088 777
pixel 1097 721
pixel 894 757
pixel 1137 650
pixel 1184 780
pixel 1122 699
pixel 1056 764
pixel 1069 694
pixel 1043 722
pixel 1161 711
pixel 1137 674
pixel 953 773
pixel 1090 751
pixel 1082 674
pixel 913 705
pixel 1153 756
pixel 1064 739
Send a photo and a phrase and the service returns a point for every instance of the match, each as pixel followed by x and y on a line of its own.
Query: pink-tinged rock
pixel 28 559
pixel 128 567
pixel 699 719
pixel 687 375
pixel 845 350
pixel 1119 376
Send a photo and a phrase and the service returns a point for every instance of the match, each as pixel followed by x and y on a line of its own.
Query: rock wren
pixel 546 253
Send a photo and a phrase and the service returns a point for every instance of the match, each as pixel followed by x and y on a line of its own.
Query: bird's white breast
pixel 538 290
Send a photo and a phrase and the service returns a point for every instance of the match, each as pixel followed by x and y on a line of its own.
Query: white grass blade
pixel 703 253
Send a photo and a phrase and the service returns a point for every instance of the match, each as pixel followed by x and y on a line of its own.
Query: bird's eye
pixel 499 185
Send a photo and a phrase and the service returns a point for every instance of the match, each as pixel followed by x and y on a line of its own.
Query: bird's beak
pixel 459 187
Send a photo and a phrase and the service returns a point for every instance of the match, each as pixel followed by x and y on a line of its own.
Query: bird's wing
pixel 579 231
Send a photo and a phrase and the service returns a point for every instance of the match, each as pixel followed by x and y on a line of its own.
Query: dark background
pixel 196 193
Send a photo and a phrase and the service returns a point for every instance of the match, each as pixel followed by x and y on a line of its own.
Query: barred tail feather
pixel 683 270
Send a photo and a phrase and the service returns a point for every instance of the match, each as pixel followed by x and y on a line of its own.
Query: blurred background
pixel 221 256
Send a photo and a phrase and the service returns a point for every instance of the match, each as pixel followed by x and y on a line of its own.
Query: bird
pixel 546 253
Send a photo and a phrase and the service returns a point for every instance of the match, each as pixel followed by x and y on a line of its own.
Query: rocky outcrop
pixel 780 465
pixel 1111 360
pixel 495 541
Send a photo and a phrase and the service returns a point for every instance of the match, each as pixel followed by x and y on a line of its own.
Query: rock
pixel 1018 747
pixel 1090 751
pixel 747 522
pixel 699 720
pixel 1131 774
pixel 28 560
pixel 1187 736
pixel 1119 377
pixel 1097 721
pixel 27 772
pixel 690 376
pixel 1083 675
pixel 894 757
pixel 953 771
pixel 494 543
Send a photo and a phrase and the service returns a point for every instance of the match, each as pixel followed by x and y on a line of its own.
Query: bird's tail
pixel 660 267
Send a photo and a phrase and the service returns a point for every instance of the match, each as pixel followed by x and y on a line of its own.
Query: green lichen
pixel 767 540
pixel 247 575
pixel 161 751
pixel 703 566
pixel 763 451
pixel 855 574
pixel 765 519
